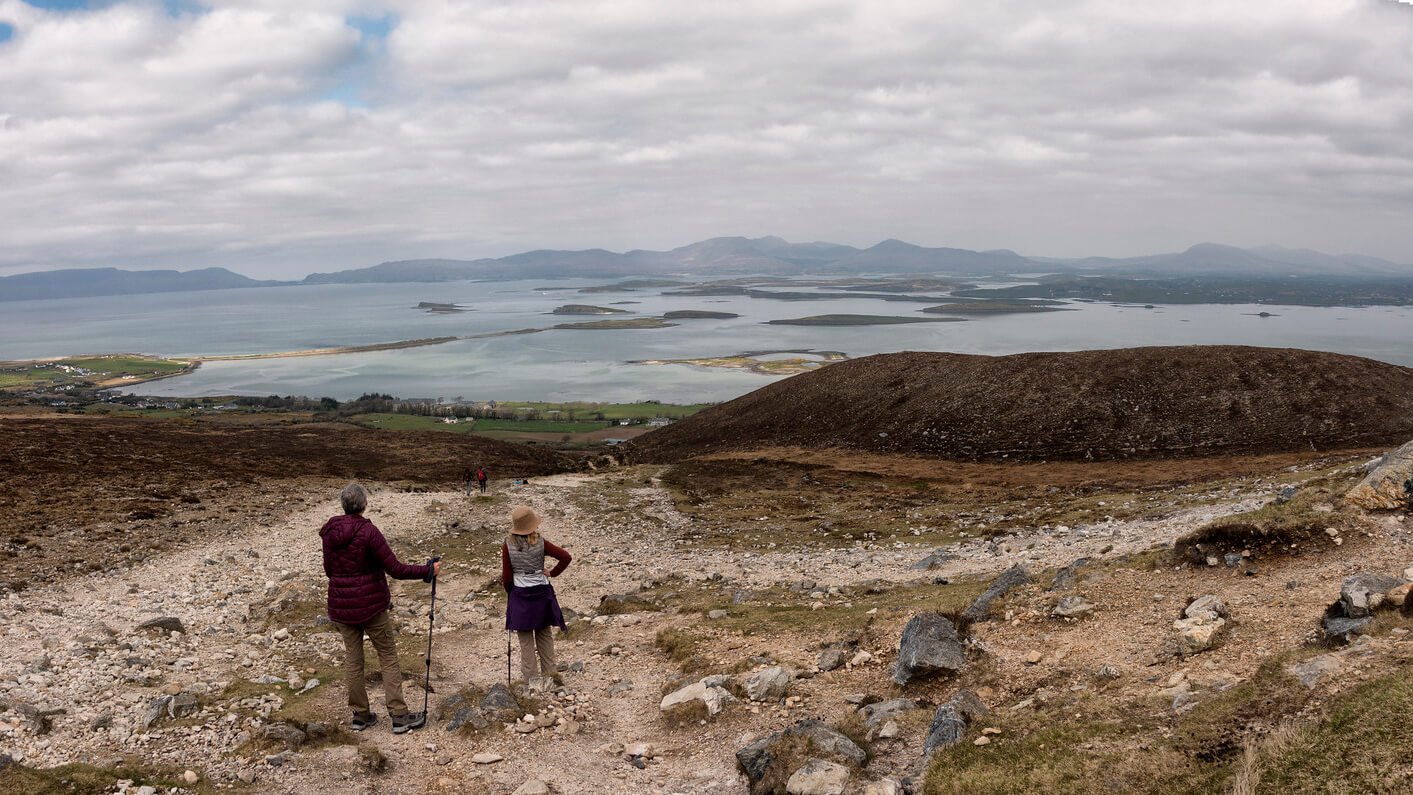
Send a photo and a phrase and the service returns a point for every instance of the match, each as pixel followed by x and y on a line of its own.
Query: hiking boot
pixel 361 722
pixel 406 723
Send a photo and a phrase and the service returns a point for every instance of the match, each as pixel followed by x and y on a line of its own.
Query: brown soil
pixel 1133 403
pixel 86 493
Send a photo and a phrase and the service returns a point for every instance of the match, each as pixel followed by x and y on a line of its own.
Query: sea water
pixel 596 365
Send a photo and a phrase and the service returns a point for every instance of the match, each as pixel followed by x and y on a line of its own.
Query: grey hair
pixel 354 498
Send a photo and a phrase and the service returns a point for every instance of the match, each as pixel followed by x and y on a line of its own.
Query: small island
pixel 860 320
pixel 698 314
pixel 762 362
pixel 634 322
pixel 431 307
pixel 988 307
pixel 587 309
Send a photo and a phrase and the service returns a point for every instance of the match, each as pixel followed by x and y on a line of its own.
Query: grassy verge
pixel 86 778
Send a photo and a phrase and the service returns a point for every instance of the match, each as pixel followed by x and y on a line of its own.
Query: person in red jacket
pixel 356 561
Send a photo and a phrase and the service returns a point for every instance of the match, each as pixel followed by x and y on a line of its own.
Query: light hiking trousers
pixel 539 643
pixel 383 635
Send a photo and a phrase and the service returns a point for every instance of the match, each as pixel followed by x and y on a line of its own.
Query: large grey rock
pixel 1382 489
pixel 1010 579
pixel 818 777
pixel 467 716
pixel 183 705
pixel 712 695
pixel 756 759
pixel 500 699
pixel 831 658
pixel 1206 607
pixel 929 645
pixel 949 722
pixel 1362 593
pixel 1343 630
pixel 532 787
pixel 770 684
pixel 156 708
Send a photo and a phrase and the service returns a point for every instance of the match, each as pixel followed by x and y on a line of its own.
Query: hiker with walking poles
pixel 531 609
pixel 357 560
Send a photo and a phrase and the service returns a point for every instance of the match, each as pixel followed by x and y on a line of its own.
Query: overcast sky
pixel 276 141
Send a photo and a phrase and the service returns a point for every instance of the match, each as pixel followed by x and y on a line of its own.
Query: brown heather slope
pixel 1131 403
pixel 86 493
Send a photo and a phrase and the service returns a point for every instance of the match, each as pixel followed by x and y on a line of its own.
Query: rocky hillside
pixel 1130 403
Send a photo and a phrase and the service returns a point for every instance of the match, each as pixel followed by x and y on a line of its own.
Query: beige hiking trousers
pixel 539 643
pixel 383 635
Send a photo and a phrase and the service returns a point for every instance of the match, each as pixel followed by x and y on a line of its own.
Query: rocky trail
pixel 214 661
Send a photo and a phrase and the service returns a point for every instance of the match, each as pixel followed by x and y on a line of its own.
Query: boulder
pixel 1009 580
pixel 532 787
pixel 499 699
pixel 818 777
pixel 1206 607
pixel 1339 629
pixel 929 645
pixel 949 722
pixel 1362 593
pixel 156 708
pixel 615 604
pixel 710 693
pixel 770 684
pixel 1198 634
pixel 885 786
pixel 830 659
pixel 759 760
pixel 1382 489
pixel 1073 607
pixel 1397 596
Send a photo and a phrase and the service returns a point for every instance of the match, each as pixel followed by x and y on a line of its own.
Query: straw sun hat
pixel 523 521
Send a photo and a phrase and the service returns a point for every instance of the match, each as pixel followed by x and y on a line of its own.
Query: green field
pixel 612 411
pixel 99 369
pixel 415 422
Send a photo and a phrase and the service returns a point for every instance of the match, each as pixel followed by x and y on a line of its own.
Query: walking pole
pixel 507 658
pixel 431 617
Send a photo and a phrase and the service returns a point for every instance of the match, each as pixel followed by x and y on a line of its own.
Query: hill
pixel 1137 402
pixel 86 282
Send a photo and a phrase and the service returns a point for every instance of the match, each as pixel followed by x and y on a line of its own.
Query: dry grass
pixel 1274 528
pixel 85 778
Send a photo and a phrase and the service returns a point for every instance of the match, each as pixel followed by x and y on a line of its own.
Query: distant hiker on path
pixel 468 480
pixel 481 477
pixel 531 607
pixel 356 561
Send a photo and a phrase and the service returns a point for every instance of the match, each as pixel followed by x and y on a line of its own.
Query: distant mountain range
pixel 725 257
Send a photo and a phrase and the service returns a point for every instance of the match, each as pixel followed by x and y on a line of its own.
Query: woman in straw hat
pixel 531 607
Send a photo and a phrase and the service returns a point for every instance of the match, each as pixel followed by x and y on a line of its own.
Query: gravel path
pixel 79 675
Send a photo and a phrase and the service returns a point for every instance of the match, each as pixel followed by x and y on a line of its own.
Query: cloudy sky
pixel 278 137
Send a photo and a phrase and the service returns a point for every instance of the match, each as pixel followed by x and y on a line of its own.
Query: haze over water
pixel 593 365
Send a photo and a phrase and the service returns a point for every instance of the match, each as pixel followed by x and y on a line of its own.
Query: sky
pixel 281 137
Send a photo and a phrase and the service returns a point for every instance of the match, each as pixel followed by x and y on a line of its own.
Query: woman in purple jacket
pixel 356 560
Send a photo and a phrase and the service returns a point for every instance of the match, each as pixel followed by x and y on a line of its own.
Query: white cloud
pixel 131 136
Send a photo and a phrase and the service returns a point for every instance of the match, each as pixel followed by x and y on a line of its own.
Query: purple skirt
pixel 529 609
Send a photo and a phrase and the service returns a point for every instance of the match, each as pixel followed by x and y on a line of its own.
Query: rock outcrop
pixel 950 721
pixel 1383 488
pixel 1202 622
pixel 771 761
pixel 929 646
pixel 1010 579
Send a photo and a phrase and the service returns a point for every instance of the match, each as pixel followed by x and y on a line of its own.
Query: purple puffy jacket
pixel 356 557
